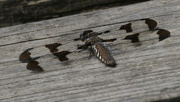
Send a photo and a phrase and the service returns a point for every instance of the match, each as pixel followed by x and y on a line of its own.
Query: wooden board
pixel 146 73
pixel 13 12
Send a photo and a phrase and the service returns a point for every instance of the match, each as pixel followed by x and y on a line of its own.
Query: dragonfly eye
pixel 85 34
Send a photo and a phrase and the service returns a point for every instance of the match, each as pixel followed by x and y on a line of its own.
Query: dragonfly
pixel 95 44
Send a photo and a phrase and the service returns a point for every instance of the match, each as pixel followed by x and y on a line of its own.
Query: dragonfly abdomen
pixel 103 54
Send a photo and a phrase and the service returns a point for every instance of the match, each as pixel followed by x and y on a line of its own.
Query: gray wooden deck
pixel 147 73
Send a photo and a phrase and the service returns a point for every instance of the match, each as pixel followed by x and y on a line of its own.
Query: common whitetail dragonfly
pixel 95 44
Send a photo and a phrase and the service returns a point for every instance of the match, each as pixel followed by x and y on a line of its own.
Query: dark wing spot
pixel 82 46
pixel 62 55
pixel 25 56
pixel 53 47
pixel 76 39
pixel 134 38
pixel 163 34
pixel 126 27
pixel 151 23
pixel 33 66
pixel 107 31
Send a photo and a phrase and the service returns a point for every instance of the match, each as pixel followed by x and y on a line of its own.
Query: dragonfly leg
pixel 90 54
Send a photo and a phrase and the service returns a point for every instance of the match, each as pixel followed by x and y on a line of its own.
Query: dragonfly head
pixel 87 34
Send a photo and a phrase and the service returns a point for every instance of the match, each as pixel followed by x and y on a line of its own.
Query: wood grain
pixel 144 73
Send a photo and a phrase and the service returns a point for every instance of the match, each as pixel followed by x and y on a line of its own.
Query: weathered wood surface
pixel 147 73
pixel 13 12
